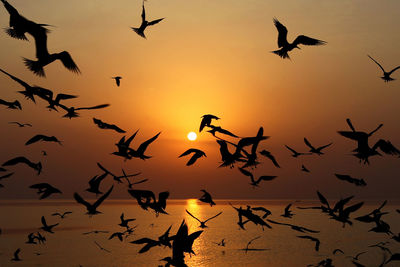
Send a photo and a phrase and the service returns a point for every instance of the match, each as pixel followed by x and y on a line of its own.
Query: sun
pixel 192 136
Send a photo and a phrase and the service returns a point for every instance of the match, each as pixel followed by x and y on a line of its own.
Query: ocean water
pixel 278 246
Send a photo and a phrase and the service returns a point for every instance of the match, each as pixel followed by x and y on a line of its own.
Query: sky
pixel 207 57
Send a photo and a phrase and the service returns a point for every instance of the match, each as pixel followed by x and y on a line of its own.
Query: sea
pixel 278 246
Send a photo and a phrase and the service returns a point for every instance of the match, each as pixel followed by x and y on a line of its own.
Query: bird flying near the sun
pixel 145 23
pixel 386 75
pixel 285 46
pixel 197 153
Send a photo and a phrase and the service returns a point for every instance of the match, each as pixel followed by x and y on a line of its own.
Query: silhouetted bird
pixel 228 158
pixel 145 23
pixel 46 227
pixel 71 111
pixel 252 249
pixel 101 248
pixel 130 184
pixel 92 208
pixel 386 75
pixel 31 239
pixel 103 125
pixel 146 199
pixel 95 232
pixel 94 184
pixel 314 150
pixel 206 198
pixel 295 153
pixel 164 240
pixel 203 223
pixel 221 243
pixel 206 120
pixel 61 215
pixel 304 169
pixel 48 96
pixel 287 212
pixel 139 153
pixel 11 105
pixel 125 222
pixel 20 124
pixel 286 46
pixel 44 138
pixel 348 178
pixel 117 80
pixel 294 227
pixel 266 211
pixel 119 235
pixel 29 91
pixel 316 240
pixel 123 146
pixel 17 160
pixel 16 253
pixel 45 189
pixel 255 182
pixel 268 155
pixel 197 153
pixel 218 129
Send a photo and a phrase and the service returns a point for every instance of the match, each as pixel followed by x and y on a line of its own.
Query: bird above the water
pixel 145 24
pixel 18 160
pixel 94 184
pixel 285 46
pixel 268 155
pixel 203 223
pixel 131 184
pixel 206 198
pixel 221 243
pixel 164 240
pixel 102 248
pixel 16 255
pixel 31 239
pixel 61 215
pixel 304 169
pixel 118 178
pixel 316 240
pixel 117 80
pixel 295 153
pixel 92 208
pixel 206 120
pixel 386 75
pixel 20 124
pixel 254 182
pixel 11 105
pixel 46 227
pixel 95 232
pixel 262 209
pixel 197 153
pixel 71 111
pixel 314 150
pixel 43 138
pixel 287 212
pixel 103 125
pixel 45 190
pixel 355 258
pixel 147 199
pixel 125 222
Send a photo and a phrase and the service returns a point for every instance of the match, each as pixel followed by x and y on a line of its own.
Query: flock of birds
pixel 244 152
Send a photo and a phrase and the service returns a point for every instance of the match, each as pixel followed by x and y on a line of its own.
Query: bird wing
pixel 44 221
pixel 265 178
pixel 154 21
pixel 322 199
pixel 39 186
pixel 192 215
pixel 288 207
pixel 193 159
pixel 386 147
pixel 212 217
pixel 24 84
pixel 16 161
pixel 95 107
pixel 282 33
pixel 270 156
pixel 291 149
pixel 343 177
pixel 380 66
pixel 103 197
pixel 187 152
pixel 143 13
pixel 308 143
pixel 246 172
pixel 305 40
pixel 142 148
pixel 6 176
pixel 339 205
pixel 393 70
pixel 64 97
pixel 350 135
pixel 68 62
pixel 223 131
pixel 322 147
pixel 350 124
pixel 80 200
pixel 129 140
pixel 36 138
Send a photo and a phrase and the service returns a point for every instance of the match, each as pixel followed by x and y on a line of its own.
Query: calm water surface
pixel 68 247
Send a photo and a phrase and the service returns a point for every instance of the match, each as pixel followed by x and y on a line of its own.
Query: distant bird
pixel 348 178
pixel 44 138
pixel 221 243
pixel 386 75
pixel 92 208
pixel 145 23
pixel 71 111
pixel 117 80
pixel 287 212
pixel 206 198
pixel 295 227
pixel 103 125
pixel 295 153
pixel 215 129
pixel 20 124
pixel 94 184
pixel 101 248
pixel 268 155
pixel 95 232
pixel 139 153
pixel 124 222
pixel 17 160
pixel 31 239
pixel 46 227
pixel 61 215
pixel 45 189
pixel 11 105
pixel 16 255
pixel 206 120
pixel 252 249
pixel 119 235
pixel 338 250
pixel 304 169
pixel 147 199
pixel 314 150
pixel 254 182
pixel 203 223
pixel 286 46
pixel 316 240
pixel 197 153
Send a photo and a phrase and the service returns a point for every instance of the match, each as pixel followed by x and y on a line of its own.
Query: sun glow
pixel 192 136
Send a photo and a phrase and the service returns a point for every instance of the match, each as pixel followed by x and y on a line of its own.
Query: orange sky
pixel 207 57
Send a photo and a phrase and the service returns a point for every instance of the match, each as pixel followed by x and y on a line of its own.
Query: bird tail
pixel 281 53
pixel 138 31
pixel 15 34
pixel 35 66
pixel 387 79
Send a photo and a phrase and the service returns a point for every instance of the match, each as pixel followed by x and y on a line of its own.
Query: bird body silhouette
pixel 197 153
pixel 145 24
pixel 386 75
pixel 92 208
pixel 46 227
pixel 207 198
pixel 44 138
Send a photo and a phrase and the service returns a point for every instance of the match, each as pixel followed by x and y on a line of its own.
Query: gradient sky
pixel 207 57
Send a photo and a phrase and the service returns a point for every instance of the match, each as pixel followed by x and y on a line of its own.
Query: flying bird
pixel 304 169
pixel 316 240
pixel 147 199
pixel 255 182
pixel 215 129
pixel 314 150
pixel 16 255
pixel 139 153
pixel 348 178
pixel 92 208
pixel 71 111
pixel 101 248
pixel 17 160
pixel 20 124
pixel 206 120
pixel 145 23
pixel 124 222
pixel 45 189
pixel 46 227
pixel 386 75
pixel 287 212
pixel 207 198
pixel 295 153
pixel 11 105
pixel 94 184
pixel 203 223
pixel 197 153
pixel 117 80
pixel 285 46
pixel 61 215
pixel 103 125
pixel 44 138
pixel 268 155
